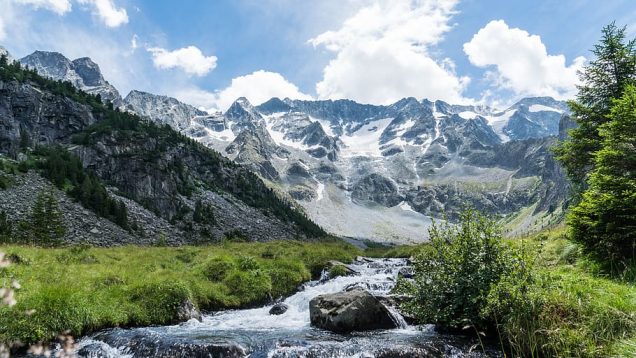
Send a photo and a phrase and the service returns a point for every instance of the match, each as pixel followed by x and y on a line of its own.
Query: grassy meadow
pixel 83 289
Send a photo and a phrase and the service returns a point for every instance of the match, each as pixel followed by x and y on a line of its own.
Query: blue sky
pixel 376 51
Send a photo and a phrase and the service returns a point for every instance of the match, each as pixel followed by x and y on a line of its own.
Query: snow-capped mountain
pixel 83 73
pixel 383 172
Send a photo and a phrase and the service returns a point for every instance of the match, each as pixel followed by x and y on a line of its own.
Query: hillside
pixel 175 190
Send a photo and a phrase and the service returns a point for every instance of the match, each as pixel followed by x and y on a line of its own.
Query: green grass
pixel 574 309
pixel 83 289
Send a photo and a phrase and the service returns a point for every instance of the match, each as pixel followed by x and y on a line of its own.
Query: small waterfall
pixel 396 316
pixel 324 275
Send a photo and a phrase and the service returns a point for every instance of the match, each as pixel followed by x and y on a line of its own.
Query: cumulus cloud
pixel 383 53
pixel 59 7
pixel 108 12
pixel 521 62
pixel 257 87
pixel 189 59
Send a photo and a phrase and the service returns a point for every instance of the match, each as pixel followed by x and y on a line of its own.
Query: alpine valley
pixel 378 172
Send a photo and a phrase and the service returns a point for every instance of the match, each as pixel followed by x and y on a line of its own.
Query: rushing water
pixel 256 333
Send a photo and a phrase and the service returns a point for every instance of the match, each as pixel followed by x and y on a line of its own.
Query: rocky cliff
pixel 83 73
pixel 166 180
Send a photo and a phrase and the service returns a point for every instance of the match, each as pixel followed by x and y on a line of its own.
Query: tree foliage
pixel 602 80
pixel 47 223
pixel 605 220
pixel 599 155
pixel 455 274
pixel 65 170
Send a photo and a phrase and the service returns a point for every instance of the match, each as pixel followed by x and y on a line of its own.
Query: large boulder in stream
pixel 355 310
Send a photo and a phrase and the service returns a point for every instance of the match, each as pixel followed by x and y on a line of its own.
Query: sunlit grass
pixel 82 289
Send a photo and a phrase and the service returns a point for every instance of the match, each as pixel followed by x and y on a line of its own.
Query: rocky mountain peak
pixel 89 71
pixel 274 105
pixel 83 73
pixel 52 64
pixel 242 115
pixel 162 109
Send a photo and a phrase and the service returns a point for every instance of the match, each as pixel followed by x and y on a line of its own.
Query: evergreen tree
pixel 603 80
pixel 6 227
pixel 605 220
pixel 47 224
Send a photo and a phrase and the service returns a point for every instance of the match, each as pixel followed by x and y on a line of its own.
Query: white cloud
pixel 383 54
pixel 521 62
pixel 190 59
pixel 59 7
pixel 108 12
pixel 133 42
pixel 257 87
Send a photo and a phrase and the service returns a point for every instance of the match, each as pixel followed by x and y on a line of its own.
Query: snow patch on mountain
pixel 543 108
pixel 365 140
pixel 467 114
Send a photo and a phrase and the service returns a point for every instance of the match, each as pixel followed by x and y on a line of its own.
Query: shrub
pixel 249 286
pixel 159 302
pixel 248 263
pixel 217 268
pixel 286 276
pixel 454 277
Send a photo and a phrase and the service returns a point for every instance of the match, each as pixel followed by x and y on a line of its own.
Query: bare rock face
pixel 356 310
pixel 83 73
pixel 162 109
pixel 378 189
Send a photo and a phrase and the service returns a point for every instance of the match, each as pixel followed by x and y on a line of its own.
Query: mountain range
pixel 370 171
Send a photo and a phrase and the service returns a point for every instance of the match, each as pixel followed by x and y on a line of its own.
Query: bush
pixel 454 277
pixel 286 276
pixel 250 286
pixel 248 263
pixel 217 268
pixel 159 302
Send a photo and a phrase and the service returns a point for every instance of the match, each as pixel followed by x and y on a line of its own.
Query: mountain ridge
pixel 144 164
pixel 386 168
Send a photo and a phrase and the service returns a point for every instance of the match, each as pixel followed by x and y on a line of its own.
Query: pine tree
pixel 603 80
pixel 6 227
pixel 605 220
pixel 47 224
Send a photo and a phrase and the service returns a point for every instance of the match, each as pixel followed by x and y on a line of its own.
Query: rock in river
pixel 278 309
pixel 187 311
pixel 355 310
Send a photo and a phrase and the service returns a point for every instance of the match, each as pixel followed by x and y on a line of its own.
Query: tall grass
pixel 572 309
pixel 83 289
